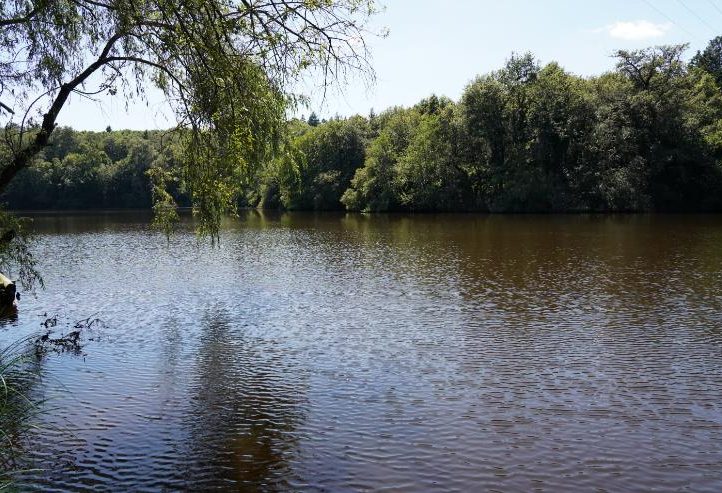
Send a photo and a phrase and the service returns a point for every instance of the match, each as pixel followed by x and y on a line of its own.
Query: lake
pixel 339 352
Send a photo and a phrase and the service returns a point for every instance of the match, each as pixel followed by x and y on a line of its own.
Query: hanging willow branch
pixel 226 66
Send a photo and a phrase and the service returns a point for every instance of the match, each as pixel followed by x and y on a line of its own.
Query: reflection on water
pixel 414 353
pixel 247 397
pixel 8 315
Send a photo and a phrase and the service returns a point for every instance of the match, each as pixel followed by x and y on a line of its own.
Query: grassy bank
pixel 18 373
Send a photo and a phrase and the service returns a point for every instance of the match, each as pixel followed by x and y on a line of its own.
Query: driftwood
pixel 8 289
pixel 66 343
pixel 8 293
pixel 87 323
pixel 70 342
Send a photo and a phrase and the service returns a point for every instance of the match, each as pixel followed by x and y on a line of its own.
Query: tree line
pixel 646 136
pixel 94 170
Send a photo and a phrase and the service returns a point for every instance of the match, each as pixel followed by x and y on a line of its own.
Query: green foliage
pixel 710 60
pixel 227 67
pixel 164 206
pixel 245 128
pixel 428 175
pixel 313 120
pixel 94 170
pixel 644 137
pixel 18 373
pixel 373 186
pixel 16 259
pixel 317 165
pixel 531 138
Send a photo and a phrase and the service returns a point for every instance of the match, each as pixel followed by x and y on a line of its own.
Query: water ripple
pixel 387 353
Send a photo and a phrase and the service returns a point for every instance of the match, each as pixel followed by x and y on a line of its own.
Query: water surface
pixel 342 352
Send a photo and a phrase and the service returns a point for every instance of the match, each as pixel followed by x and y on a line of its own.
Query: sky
pixel 438 47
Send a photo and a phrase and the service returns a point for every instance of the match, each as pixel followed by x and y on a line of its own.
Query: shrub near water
pixel 17 408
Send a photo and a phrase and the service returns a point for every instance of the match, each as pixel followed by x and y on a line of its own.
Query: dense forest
pixel 646 136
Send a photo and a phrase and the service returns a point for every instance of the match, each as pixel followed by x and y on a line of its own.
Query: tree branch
pixel 23 158
pixel 6 108
pixel 20 20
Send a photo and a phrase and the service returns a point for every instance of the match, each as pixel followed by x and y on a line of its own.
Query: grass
pixel 18 372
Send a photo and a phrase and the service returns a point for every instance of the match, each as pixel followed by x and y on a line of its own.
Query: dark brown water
pixel 383 353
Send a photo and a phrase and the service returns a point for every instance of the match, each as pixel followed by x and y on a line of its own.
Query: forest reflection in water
pixel 426 352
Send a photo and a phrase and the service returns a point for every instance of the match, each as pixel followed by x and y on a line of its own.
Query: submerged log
pixel 8 292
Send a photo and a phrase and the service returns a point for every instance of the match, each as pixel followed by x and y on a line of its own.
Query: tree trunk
pixel 23 158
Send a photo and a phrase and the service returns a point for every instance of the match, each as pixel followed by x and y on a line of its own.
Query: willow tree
pixel 226 67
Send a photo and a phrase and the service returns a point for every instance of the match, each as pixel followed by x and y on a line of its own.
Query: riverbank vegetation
pixel 18 373
pixel 646 136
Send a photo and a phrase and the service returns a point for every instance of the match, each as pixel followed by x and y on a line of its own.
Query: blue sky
pixel 439 46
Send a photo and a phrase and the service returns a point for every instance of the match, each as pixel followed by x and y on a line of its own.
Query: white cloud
pixel 635 30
